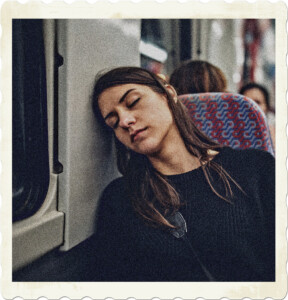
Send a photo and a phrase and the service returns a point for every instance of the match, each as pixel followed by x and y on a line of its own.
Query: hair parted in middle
pixel 151 194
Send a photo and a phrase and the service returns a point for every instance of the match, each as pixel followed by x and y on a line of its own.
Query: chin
pixel 148 149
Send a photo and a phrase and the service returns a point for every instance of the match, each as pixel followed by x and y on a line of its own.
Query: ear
pixel 172 92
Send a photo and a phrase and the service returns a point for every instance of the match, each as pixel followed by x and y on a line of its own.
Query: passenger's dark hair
pixel 261 88
pixel 151 194
pixel 197 76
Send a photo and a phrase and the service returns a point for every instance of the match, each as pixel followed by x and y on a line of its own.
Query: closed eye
pixel 133 103
pixel 112 121
pixel 115 125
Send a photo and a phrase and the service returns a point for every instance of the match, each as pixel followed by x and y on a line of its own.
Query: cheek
pixel 165 117
pixel 160 113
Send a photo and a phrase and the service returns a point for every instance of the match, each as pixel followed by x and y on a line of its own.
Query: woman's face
pixel 140 117
pixel 256 95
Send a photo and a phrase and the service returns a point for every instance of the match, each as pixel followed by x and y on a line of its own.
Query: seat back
pixel 230 119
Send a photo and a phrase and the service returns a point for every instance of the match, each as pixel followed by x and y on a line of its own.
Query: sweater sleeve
pixel 267 198
pixel 254 171
pixel 261 181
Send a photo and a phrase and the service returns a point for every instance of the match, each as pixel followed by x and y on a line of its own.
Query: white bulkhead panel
pixel 87 155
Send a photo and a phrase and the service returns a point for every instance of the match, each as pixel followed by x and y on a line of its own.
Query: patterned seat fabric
pixel 230 119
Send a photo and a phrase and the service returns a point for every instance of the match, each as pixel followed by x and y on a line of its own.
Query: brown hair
pixel 151 194
pixel 197 76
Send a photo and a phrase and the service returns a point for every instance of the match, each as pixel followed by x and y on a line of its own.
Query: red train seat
pixel 230 119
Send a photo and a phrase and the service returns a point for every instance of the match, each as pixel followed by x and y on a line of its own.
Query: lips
pixel 136 134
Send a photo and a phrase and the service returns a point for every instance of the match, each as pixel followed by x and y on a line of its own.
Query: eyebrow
pixel 120 101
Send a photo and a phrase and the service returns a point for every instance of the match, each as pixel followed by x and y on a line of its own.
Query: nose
pixel 126 119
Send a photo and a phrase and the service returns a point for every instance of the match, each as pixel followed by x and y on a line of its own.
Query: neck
pixel 175 160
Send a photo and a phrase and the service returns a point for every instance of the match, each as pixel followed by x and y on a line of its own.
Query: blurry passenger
pixel 260 95
pixel 186 208
pixel 197 76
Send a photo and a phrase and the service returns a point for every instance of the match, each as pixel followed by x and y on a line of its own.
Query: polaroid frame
pixel 145 290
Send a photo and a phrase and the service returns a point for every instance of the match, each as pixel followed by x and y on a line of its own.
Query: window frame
pixel 43 231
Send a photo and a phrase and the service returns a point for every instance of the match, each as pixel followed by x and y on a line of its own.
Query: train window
pixel 185 39
pixel 30 163
pixel 152 49
pixel 151 31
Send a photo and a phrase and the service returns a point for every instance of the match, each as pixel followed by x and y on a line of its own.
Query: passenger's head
pixel 198 76
pixel 129 99
pixel 258 93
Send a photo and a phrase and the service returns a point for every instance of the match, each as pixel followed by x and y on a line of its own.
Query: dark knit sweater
pixel 235 242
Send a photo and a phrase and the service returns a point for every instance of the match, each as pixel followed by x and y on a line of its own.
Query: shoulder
pixel 115 189
pixel 115 186
pixel 248 160
pixel 114 197
pixel 254 171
